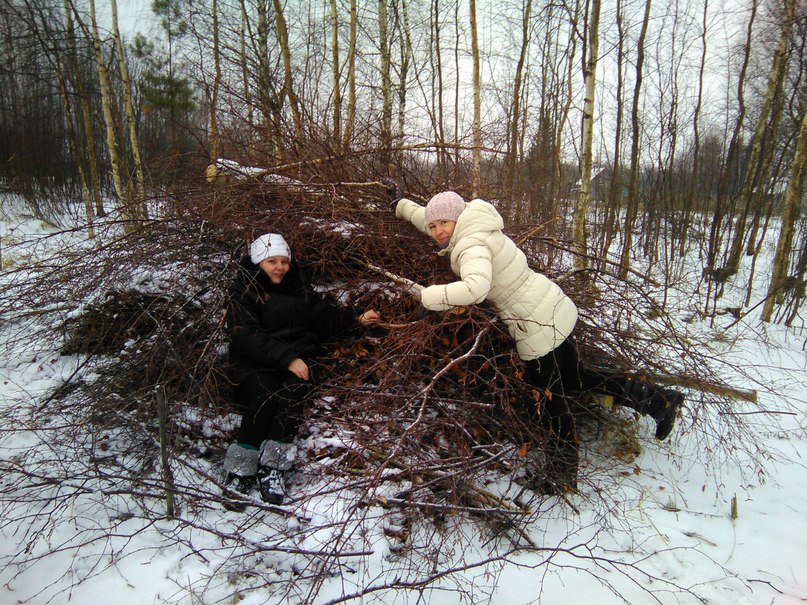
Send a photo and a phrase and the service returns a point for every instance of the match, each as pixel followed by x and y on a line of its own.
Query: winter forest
pixel 647 155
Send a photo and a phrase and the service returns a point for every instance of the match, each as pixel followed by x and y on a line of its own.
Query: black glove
pixel 395 191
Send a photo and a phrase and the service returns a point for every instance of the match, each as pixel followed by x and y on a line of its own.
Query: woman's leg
pixel 254 394
pixel 555 375
pixel 272 405
pixel 647 399
pixel 289 400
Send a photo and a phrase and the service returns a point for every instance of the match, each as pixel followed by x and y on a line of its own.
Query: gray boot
pixel 241 461
pixel 241 466
pixel 278 455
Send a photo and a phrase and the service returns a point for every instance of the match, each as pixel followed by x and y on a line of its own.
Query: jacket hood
pixel 478 218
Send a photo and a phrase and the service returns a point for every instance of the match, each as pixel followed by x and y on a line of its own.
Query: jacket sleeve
pixel 476 274
pixel 329 319
pixel 412 212
pixel 251 341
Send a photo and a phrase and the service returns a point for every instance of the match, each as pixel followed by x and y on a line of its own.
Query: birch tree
pixel 350 118
pixel 244 63
pixel 139 204
pixel 386 84
pixel 729 169
pixel 106 104
pixel 633 195
pixel 755 161
pixel 287 91
pixel 437 99
pixel 584 197
pixel 476 161
pixel 515 113
pixel 790 215
pixel 92 171
pixel 405 62
pixel 267 96
pixel 615 190
pixel 337 89
pixel 689 202
pixel 215 141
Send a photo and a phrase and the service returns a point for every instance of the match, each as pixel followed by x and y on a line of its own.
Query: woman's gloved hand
pixel 395 191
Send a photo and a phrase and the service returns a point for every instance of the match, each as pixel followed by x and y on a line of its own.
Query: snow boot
pixel 241 466
pixel 651 400
pixel 664 405
pixel 271 485
pixel 278 455
pixel 276 458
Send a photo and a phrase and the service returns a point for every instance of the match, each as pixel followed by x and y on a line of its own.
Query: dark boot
pixel 664 405
pixel 651 400
pixel 271 485
pixel 237 485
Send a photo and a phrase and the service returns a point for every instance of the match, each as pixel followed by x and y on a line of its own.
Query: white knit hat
pixel 446 205
pixel 270 244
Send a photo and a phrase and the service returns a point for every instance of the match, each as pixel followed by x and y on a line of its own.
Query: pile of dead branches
pixel 425 416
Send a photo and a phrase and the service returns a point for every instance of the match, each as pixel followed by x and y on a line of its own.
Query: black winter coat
pixel 270 325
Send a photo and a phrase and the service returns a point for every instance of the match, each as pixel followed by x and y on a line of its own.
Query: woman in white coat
pixel 538 315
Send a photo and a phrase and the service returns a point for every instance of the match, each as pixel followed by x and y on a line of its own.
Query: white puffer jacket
pixel 490 266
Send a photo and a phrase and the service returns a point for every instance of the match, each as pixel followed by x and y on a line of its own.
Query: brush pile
pixel 424 412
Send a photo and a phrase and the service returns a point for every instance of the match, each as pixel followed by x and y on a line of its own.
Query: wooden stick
pixel 396 278
pixel 703 386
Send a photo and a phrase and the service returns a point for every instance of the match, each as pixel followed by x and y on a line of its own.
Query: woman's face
pixel 441 231
pixel 275 268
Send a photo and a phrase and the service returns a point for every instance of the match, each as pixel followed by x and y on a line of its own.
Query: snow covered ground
pixel 684 523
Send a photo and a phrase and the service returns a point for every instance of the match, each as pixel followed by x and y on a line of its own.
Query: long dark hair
pixel 250 277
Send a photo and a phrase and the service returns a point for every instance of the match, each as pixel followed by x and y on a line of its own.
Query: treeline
pixel 647 127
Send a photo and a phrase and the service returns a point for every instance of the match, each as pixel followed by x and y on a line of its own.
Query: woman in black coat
pixel 277 325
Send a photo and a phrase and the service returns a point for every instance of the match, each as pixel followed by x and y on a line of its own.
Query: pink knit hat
pixel 446 206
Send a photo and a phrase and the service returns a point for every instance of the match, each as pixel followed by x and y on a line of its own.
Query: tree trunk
pixel 351 78
pixel 402 20
pixel 288 82
pixel 386 86
pixel 139 205
pixel 510 172
pixel 755 159
pixel 567 106
pixel 215 141
pixel 633 195
pixel 476 161
pixel 765 185
pixel 729 171
pixel 792 209
pixel 438 122
pixel 584 196
pixel 242 57
pixel 270 104
pixel 689 201
pixel 94 175
pixel 111 141
pixel 337 89
pixel 615 190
